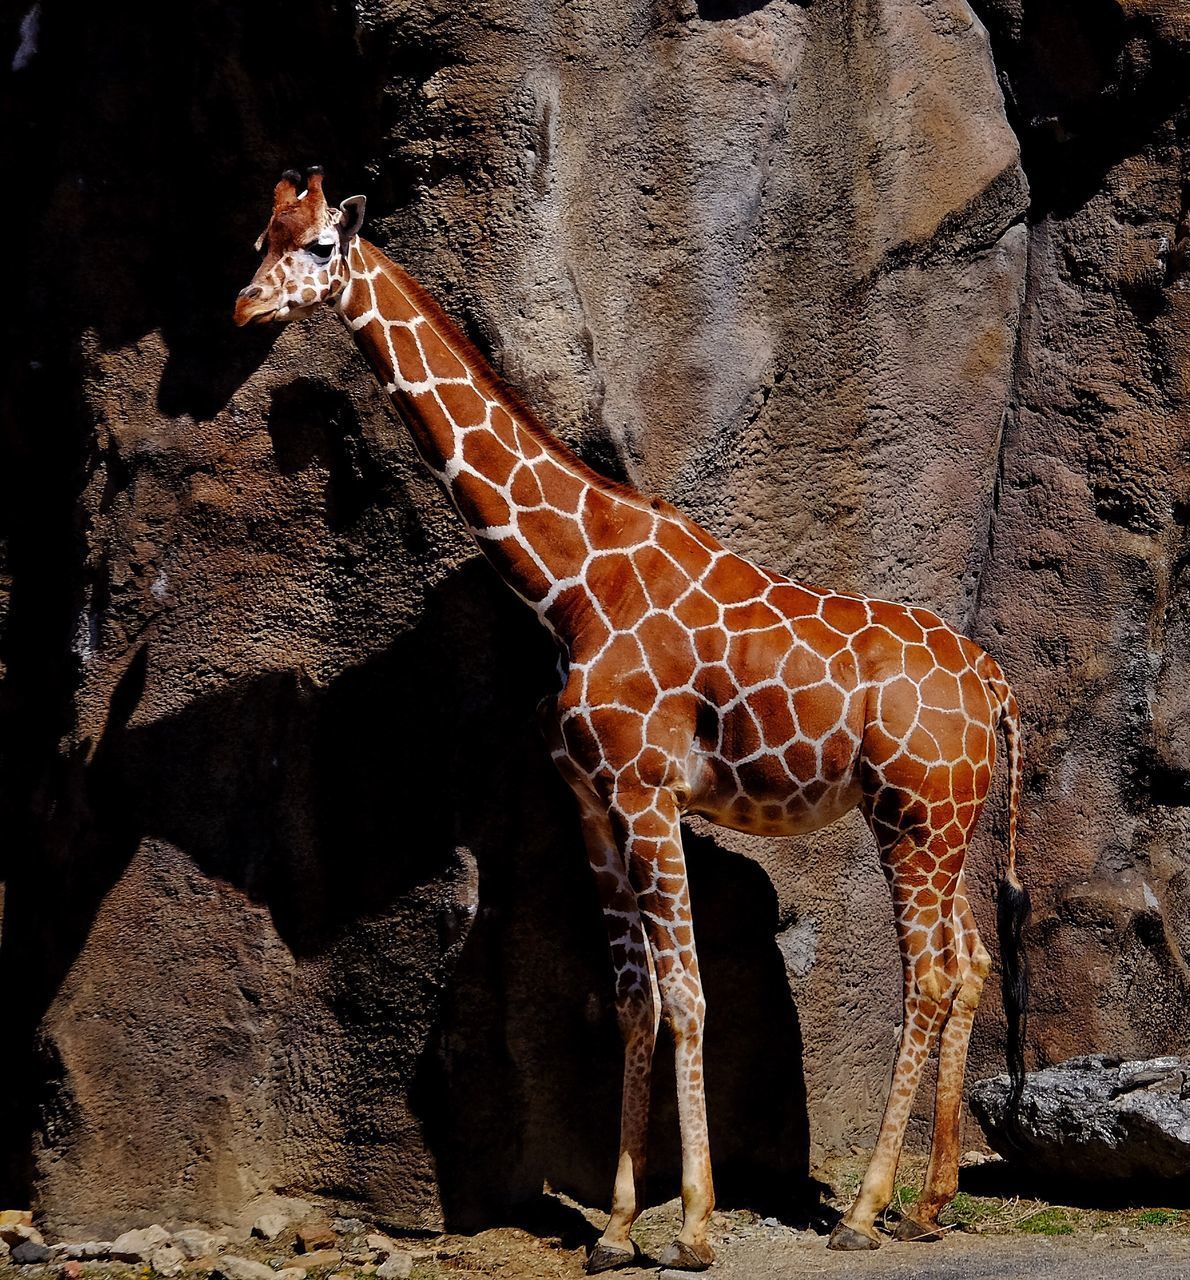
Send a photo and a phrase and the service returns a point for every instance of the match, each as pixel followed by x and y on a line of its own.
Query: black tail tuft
pixel 1012 915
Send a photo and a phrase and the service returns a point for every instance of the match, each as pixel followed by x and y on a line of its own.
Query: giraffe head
pixel 305 248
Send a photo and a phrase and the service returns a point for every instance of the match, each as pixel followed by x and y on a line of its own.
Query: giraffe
pixel 696 682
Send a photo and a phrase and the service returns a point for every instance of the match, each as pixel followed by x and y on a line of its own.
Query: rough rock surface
pixel 321 918
pixel 29 1253
pixel 1095 1119
pixel 139 1244
pixel 232 1267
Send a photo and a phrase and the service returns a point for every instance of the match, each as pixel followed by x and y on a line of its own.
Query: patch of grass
pixel 1159 1217
pixel 973 1213
pixel 1046 1222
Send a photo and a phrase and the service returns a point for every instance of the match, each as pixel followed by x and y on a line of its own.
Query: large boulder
pixel 1094 1119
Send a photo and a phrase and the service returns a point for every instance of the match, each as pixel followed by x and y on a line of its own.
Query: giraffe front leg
pixel 652 841
pixel 942 1173
pixel 637 1011
pixel 637 1001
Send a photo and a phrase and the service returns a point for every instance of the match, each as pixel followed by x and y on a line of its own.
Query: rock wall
pixel 294 901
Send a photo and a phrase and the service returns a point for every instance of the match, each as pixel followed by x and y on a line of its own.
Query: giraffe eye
pixel 320 251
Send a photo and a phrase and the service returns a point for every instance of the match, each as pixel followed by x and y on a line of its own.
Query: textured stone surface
pixel 397 1266
pixel 269 1225
pixel 1084 596
pixel 168 1261
pixel 196 1243
pixel 311 1236
pixel 1095 1119
pixel 29 1253
pixel 139 1244
pixel 91 1250
pixel 232 1267
pixel 321 917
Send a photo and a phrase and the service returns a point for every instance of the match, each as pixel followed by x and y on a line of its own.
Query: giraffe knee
pixel 980 962
pixel 636 1017
pixel 682 1023
pixel 974 974
pixel 936 981
pixel 683 1014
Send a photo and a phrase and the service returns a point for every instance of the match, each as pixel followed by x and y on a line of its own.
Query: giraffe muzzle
pixel 250 307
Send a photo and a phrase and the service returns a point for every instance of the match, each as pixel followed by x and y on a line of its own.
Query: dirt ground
pixel 999 1228
pixel 995 1232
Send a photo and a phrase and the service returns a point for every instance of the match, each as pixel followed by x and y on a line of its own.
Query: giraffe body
pixel 693 681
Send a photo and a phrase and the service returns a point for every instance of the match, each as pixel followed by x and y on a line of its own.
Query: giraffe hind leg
pixel 942 1174
pixel 922 870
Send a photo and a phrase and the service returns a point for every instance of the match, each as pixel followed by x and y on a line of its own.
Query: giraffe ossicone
pixel 697 682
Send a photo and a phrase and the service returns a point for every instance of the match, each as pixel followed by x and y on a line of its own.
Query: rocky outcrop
pixel 294 899
pixel 1095 1119
pixel 1084 593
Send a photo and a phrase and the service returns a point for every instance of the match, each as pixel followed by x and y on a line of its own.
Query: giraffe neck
pixel 525 498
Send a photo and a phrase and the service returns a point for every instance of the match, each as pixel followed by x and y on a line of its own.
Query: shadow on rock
pixel 414 788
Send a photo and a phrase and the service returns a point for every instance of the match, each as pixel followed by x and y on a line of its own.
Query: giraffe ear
pixel 260 240
pixel 352 219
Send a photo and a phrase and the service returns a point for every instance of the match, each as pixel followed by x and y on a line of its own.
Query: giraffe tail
pixel 1012 910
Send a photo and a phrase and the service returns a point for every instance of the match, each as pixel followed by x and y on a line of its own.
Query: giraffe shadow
pixel 414 788
pixel 755 1079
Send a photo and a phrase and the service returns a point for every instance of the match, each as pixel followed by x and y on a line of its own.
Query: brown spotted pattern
pixel 696 682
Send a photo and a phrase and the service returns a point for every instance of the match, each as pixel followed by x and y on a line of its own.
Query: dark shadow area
pixel 1086 84
pixel 148 146
pixel 331 804
pixel 1007 1179
pixel 309 421
pixel 146 149
pixel 339 803
pixel 756 1088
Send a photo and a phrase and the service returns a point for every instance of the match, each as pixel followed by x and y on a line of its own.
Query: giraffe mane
pixel 510 400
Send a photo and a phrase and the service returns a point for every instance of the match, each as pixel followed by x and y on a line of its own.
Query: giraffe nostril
pixel 252 291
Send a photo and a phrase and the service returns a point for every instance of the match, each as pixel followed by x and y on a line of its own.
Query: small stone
pixel 139 1245
pixel 16 1218
pixel 320 1258
pixel 28 1253
pixel 85 1250
pixel 203 1266
pixel 396 1266
pixel 312 1236
pixel 194 1242
pixel 15 1232
pixel 269 1226
pixel 291 1273
pixel 72 1269
pixel 168 1260
pixel 379 1244
pixel 347 1226
pixel 235 1268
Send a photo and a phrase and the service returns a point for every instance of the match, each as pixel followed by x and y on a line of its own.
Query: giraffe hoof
pixel 910 1229
pixel 681 1256
pixel 845 1239
pixel 608 1257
